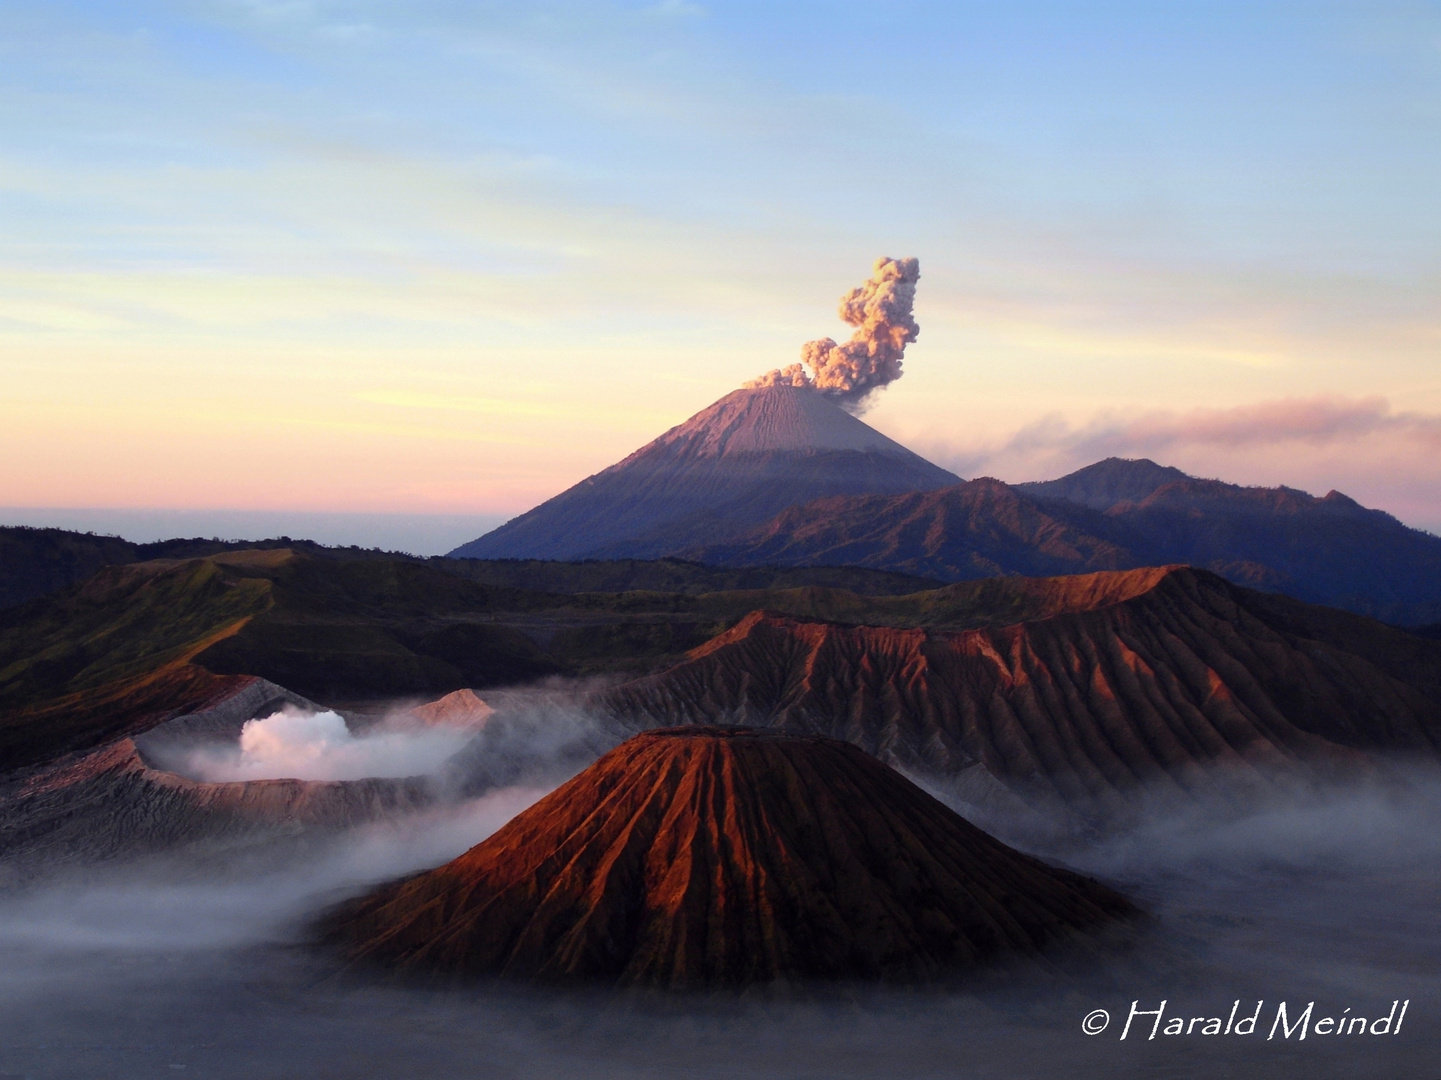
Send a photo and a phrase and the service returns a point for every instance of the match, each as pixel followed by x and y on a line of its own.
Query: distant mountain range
pixel 777 487
pixel 1116 515
pixel 781 477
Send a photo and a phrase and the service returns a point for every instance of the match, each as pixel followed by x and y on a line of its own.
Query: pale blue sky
pixel 451 257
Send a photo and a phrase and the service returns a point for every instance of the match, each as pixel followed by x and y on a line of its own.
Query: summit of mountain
pixel 744 459
pixel 759 420
pixel 1106 483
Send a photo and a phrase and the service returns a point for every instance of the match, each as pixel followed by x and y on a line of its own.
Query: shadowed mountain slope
pixel 39 562
pixel 36 562
pixel 347 630
pixel 141 643
pixel 1116 515
pixel 1327 550
pixel 978 529
pixel 1129 683
pixel 114 656
pixel 745 458
pixel 671 575
pixel 720 857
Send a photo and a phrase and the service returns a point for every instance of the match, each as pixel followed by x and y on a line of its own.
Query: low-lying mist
pixel 204 968
pixel 164 903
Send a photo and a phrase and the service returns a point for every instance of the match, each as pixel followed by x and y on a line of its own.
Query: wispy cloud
pixel 1385 457
pixel 1323 422
pixel 1317 421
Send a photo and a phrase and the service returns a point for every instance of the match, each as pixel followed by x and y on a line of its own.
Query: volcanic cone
pixel 703 857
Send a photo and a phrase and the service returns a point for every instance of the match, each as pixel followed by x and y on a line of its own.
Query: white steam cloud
pixel 880 310
pixel 297 745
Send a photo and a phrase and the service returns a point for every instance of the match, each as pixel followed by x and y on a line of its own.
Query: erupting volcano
pixel 749 456
pixel 705 857
pixel 787 437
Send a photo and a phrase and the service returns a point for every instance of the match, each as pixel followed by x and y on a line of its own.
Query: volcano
pixel 749 456
pixel 705 857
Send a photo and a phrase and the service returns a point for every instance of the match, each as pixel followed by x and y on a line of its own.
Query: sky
pixel 436 261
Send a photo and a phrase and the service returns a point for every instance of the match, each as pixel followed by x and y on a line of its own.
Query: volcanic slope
pixel 125 799
pixel 1122 684
pixel 739 462
pixel 114 656
pixel 713 857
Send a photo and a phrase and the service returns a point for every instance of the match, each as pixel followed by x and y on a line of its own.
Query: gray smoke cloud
pixel 880 310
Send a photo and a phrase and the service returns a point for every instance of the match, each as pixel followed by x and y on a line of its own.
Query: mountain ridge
pixel 1116 514
pixel 1122 686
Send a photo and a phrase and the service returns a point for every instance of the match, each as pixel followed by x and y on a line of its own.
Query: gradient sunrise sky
pixel 445 258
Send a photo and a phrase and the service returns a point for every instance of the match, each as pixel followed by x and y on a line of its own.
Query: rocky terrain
pixel 1115 687
pixel 1076 698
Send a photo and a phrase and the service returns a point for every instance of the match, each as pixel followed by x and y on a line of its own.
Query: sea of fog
pixel 167 968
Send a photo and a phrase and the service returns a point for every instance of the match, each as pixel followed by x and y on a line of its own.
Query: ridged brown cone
pixel 706 857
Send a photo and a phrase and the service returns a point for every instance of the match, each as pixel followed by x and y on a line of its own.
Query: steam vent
pixel 708 857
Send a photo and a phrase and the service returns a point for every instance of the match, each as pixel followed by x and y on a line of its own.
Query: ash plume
pixel 880 309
